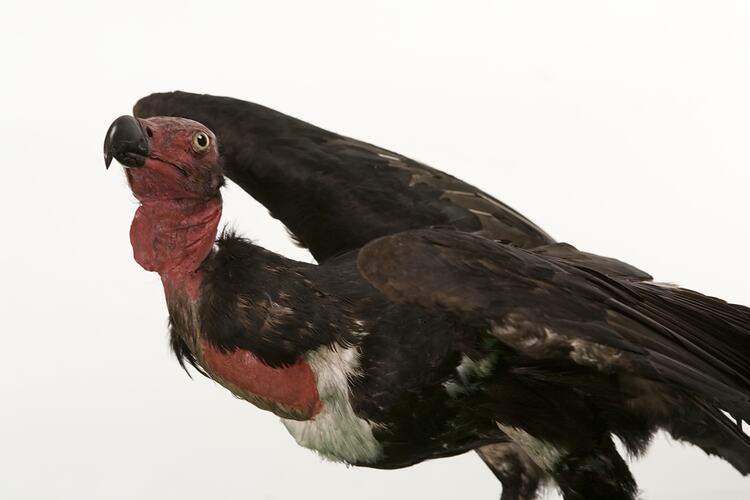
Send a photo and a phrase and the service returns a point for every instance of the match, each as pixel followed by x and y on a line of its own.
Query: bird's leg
pixel 518 474
pixel 594 473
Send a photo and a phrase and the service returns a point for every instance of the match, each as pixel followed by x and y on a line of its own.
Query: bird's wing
pixel 332 192
pixel 605 265
pixel 552 307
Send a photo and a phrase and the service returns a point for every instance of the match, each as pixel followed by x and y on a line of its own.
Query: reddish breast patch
pixel 291 390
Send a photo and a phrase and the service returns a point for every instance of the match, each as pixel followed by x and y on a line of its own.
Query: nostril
pixel 149 132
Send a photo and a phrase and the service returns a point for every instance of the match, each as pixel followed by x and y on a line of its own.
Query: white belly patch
pixel 336 433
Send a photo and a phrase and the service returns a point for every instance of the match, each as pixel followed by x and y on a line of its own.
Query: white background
pixel 621 127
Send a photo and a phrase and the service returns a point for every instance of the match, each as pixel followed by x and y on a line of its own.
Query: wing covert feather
pixel 551 307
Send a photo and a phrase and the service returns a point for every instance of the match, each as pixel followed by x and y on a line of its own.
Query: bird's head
pixel 174 169
pixel 166 158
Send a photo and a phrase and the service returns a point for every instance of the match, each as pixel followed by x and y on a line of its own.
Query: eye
pixel 200 142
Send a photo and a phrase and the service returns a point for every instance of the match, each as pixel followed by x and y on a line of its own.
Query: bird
pixel 429 339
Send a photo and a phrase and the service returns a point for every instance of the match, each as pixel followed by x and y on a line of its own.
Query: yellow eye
pixel 200 142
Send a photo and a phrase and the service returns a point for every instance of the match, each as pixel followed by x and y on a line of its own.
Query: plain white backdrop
pixel 620 127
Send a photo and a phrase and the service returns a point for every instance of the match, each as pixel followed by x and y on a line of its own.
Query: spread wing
pixel 335 193
pixel 552 306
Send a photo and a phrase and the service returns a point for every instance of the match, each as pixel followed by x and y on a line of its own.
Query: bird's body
pixel 355 374
pixel 372 382
pixel 406 344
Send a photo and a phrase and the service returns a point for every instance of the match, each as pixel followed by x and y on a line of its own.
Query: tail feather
pixel 715 331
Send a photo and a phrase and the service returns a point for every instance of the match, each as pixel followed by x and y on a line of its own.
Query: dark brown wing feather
pixel 551 307
pixel 604 265
pixel 334 193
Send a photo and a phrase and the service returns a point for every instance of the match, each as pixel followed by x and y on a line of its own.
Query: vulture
pixel 437 319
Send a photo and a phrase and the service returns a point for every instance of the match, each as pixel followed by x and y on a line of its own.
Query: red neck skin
pixel 173 238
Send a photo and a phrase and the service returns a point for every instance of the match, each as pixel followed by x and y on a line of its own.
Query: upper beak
pixel 126 142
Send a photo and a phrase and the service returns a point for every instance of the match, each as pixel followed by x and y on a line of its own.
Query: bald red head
pixel 182 162
pixel 166 157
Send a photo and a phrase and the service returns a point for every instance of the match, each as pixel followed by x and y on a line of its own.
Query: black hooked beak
pixel 126 142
